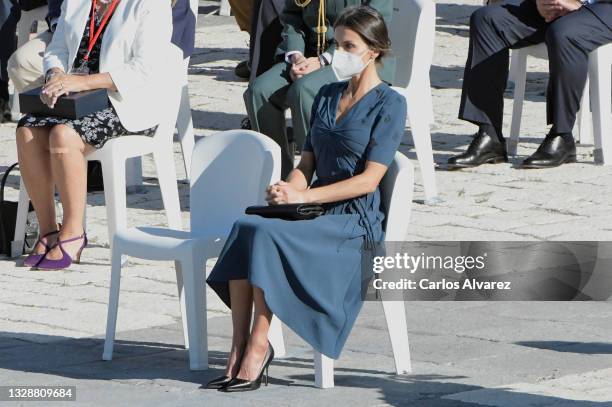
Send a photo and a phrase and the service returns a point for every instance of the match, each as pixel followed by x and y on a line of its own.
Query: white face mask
pixel 346 65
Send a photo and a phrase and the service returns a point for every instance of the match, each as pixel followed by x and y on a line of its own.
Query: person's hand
pixel 307 66
pixel 284 193
pixel 61 84
pixel 550 10
pixel 297 58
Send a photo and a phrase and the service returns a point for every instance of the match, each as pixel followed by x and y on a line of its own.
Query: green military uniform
pixel 269 95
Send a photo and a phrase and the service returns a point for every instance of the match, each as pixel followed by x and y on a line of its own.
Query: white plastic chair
pixel 184 122
pixel 224 8
pixel 596 95
pixel 413 33
pixel 397 188
pixel 231 171
pixel 113 156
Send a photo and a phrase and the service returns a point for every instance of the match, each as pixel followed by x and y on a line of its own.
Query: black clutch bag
pixel 8 219
pixel 299 211
pixel 72 106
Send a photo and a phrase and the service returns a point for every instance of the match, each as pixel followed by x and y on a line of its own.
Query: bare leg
pixel 241 297
pixel 258 341
pixel 35 168
pixel 69 169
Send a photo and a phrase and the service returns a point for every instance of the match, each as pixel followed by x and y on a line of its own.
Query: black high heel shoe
pixel 218 382
pixel 222 381
pixel 236 384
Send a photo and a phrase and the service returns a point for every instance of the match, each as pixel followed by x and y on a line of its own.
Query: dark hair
pixel 370 25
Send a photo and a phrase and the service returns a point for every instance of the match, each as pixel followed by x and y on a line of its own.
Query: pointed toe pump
pixel 237 385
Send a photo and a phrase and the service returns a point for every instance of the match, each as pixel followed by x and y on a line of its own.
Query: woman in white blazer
pixel 119 45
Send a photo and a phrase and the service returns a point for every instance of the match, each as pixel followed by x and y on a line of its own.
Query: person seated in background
pixel 9 16
pixel 122 46
pixel 571 29
pixel 243 11
pixel 266 36
pixel 183 27
pixel 308 272
pixel 307 50
pixel 25 65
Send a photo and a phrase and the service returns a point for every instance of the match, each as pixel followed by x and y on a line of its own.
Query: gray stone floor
pixel 464 353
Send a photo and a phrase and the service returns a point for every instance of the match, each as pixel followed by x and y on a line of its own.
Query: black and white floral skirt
pixel 95 129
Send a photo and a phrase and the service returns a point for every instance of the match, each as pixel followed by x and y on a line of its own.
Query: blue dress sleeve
pixel 388 130
pixel 313 115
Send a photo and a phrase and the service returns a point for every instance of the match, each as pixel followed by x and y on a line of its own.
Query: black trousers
pixel 266 31
pixel 494 30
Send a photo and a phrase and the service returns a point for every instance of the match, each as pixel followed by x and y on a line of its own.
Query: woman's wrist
pixel 307 196
pixel 51 73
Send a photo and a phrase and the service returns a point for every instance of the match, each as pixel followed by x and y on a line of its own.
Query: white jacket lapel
pixel 79 16
pixel 112 31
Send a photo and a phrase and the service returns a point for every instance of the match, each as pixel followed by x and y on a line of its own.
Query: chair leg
pixel 195 305
pixel 512 70
pixel 601 85
pixel 224 9
pixel 422 142
pixel 519 61
pixel 585 119
pixel 113 173
pixel 166 175
pixel 113 305
pixel 20 222
pixel 324 371
pixel 133 172
pixel 184 126
pixel 275 336
pixel 181 295
pixel 395 314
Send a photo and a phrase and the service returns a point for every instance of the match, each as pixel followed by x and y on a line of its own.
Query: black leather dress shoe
pixel 554 151
pixel 243 70
pixel 219 382
pixel 5 111
pixel 483 149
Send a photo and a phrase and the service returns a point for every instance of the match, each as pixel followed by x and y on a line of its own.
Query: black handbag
pixel 8 220
pixel 72 106
pixel 298 211
pixel 95 180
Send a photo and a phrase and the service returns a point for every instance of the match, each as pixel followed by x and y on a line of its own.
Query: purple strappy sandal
pixel 66 261
pixel 33 259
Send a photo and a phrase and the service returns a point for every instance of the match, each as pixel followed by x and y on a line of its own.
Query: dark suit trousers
pixel 9 16
pixel 494 30
pixel 266 31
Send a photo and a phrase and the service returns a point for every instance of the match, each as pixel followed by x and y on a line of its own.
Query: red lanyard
pixel 93 38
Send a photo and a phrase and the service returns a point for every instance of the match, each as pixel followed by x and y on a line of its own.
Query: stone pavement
pixel 464 354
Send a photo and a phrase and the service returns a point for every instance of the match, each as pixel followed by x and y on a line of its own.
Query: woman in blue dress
pixel 308 272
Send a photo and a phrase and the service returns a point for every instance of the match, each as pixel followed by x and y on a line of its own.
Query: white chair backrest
pixel 170 88
pixel 396 190
pixel 412 34
pixel 194 5
pixel 230 171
